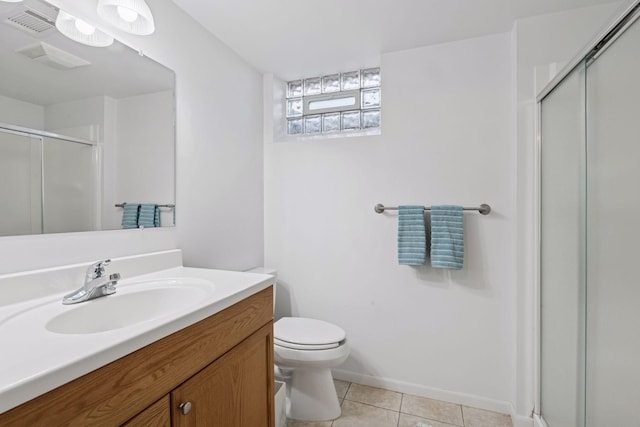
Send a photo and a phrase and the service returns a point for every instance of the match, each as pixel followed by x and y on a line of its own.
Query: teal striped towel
pixel 130 215
pixel 156 216
pixel 447 237
pixel 149 215
pixel 412 236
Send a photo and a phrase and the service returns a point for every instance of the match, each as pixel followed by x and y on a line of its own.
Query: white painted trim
pixel 538 421
pixel 474 401
pixel 536 257
pixel 521 421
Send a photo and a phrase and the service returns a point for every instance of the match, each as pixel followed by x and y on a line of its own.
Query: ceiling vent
pixel 52 56
pixel 34 22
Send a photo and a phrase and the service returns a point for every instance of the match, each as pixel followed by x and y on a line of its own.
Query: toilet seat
pixel 300 333
pixel 297 346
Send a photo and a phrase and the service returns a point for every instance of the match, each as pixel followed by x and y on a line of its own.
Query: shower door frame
pixel 96 159
pixel 14 131
pixel 625 16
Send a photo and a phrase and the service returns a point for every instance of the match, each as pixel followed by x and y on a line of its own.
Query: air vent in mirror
pixel 33 22
pixel 52 56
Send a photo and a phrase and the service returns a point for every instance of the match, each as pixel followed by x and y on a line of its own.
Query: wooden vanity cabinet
pixel 231 391
pixel 156 415
pixel 222 366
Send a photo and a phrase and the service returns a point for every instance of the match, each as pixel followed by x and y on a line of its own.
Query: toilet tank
pixel 271 271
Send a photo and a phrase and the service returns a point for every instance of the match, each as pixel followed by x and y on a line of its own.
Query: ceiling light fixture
pixel 81 31
pixel 132 16
pixel 11 1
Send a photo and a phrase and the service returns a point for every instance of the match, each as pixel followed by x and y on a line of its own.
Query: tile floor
pixel 364 406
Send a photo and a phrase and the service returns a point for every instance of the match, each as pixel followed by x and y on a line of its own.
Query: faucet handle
pixel 96 269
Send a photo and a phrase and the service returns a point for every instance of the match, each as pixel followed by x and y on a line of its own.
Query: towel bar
pixel 121 205
pixel 484 209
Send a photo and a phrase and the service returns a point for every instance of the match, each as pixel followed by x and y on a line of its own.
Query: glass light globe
pixel 85 28
pixel 127 14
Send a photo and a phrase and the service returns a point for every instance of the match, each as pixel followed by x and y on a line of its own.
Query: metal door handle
pixel 185 407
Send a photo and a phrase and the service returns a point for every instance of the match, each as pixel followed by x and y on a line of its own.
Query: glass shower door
pixel 70 194
pixel 613 208
pixel 562 273
pixel 20 183
pixel 590 198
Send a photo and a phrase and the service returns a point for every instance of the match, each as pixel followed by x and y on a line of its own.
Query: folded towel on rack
pixel 447 237
pixel 412 235
pixel 156 216
pixel 130 215
pixel 149 215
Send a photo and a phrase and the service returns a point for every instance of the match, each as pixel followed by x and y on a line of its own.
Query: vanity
pixel 174 346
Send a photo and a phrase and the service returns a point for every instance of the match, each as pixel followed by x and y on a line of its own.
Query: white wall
pixel 446 138
pixel 539 42
pixel 20 113
pixel 83 118
pixel 219 158
pixel 145 142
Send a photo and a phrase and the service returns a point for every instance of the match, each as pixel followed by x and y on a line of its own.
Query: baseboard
pixel 429 392
pixel 522 421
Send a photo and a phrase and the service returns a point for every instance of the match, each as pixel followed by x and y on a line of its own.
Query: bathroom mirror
pixel 82 129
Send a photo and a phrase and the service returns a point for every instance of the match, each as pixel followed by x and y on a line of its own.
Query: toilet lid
pixel 307 334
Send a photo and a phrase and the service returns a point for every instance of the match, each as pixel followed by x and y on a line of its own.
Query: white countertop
pixel 35 360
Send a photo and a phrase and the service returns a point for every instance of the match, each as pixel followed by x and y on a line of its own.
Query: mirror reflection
pixel 86 133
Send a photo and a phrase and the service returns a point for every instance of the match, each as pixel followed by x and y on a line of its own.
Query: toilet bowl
pixel 305 350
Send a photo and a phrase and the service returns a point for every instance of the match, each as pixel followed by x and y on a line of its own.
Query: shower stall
pixel 589 352
pixel 48 182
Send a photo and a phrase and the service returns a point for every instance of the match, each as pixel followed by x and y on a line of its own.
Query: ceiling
pixel 116 71
pixel 298 38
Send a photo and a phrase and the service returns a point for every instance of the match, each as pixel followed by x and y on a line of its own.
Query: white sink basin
pixel 124 309
pixel 49 344
pixel 132 304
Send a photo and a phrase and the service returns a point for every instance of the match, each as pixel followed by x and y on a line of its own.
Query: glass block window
pixel 334 103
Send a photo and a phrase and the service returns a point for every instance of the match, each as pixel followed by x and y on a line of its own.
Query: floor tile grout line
pixel 371 404
pixel 463 421
pixel 374 406
pixel 400 408
pixel 431 419
pixel 342 402
pixel 347 391
pixel 401 412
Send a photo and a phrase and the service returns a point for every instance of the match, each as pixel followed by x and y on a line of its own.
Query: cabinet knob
pixel 185 408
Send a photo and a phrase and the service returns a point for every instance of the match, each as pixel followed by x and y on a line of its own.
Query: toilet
pixel 305 350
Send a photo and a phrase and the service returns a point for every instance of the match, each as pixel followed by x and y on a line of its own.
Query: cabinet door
pixel 234 391
pixel 156 415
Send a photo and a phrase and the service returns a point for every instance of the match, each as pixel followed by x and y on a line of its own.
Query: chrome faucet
pixel 96 284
